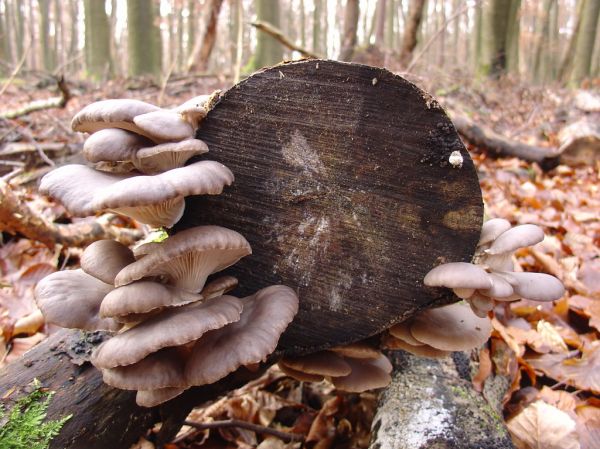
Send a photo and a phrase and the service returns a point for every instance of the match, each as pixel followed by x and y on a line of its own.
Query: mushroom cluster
pixel 139 152
pixel 437 332
pixel 170 327
pixel 491 278
pixel 354 368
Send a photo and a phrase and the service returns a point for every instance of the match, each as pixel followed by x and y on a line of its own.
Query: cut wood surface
pixel 344 190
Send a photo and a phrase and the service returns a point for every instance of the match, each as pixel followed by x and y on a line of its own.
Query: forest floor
pixel 552 351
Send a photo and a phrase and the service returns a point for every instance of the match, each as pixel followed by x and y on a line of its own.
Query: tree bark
pixel 586 37
pixel 431 404
pixel 409 39
pixel 46 47
pixel 513 36
pixel 351 13
pixel 144 42
pixel 268 50
pixel 97 40
pixel 567 61
pixel 198 61
pixel 540 65
pixel 495 25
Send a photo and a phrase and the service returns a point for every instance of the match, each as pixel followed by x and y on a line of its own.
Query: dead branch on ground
pixel 38 105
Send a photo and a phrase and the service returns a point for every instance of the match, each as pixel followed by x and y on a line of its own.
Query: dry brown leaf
pixel 560 399
pixel 588 426
pixel 21 345
pixel 590 307
pixel 323 427
pixel 543 426
pixel 485 369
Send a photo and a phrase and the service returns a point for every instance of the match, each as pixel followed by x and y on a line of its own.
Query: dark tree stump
pixel 344 190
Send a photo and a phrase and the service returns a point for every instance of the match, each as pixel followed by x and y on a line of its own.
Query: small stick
pixel 283 436
pixel 277 34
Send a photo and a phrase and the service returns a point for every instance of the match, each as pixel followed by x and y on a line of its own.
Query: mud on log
pixel 344 190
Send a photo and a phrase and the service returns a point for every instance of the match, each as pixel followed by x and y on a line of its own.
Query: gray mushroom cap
pixel 194 109
pixel 402 332
pixel 105 258
pixel 457 275
pixel 515 238
pixel 299 375
pixel 142 297
pixel 173 327
pixel 500 288
pixel 357 350
pixel 219 286
pixel 156 200
pixel 72 299
pixel 422 350
pixel 491 229
pixel 323 363
pixel 188 257
pixel 164 126
pixel 152 398
pixel 366 374
pixel 250 340
pixel 116 113
pixel 161 369
pixel 451 328
pixel 535 286
pixel 113 145
pixel 167 156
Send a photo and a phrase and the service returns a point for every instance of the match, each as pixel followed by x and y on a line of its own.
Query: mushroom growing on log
pixel 350 201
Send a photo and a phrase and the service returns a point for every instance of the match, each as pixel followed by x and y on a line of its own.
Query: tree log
pixel 580 142
pixel 344 190
pixel 431 404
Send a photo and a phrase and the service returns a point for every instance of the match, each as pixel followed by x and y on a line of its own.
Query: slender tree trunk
pixel 58 35
pixel 554 43
pixel 584 49
pixel 317 35
pixel 542 52
pixel 442 37
pixel 19 29
pixel 351 14
pixel 239 47
pixel 268 50
pixel 569 56
pixel 409 39
pixel 97 40
pixel 5 39
pixel 390 18
pixel 74 36
pixel 302 24
pixel 495 28
pixel 192 23
pixel 380 23
pixel 46 41
pixel 513 36
pixel 477 35
pixel 199 58
pixel 143 42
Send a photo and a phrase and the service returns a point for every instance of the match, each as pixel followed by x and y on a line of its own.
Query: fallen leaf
pixel 588 426
pixel 543 426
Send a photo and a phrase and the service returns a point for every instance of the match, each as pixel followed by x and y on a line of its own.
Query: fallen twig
pixel 17 217
pixel 283 436
pixel 277 34
pixel 38 105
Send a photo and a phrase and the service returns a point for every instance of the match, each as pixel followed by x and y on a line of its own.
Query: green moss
pixel 23 427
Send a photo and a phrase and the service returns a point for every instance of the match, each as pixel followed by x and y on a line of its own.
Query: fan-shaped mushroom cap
pixel 491 229
pixel 457 275
pixel 299 375
pixel 366 374
pixel 481 305
pixel 167 156
pixel 194 109
pixel 143 297
pixel 402 331
pixel 113 145
pixel 463 293
pixel 451 328
pixel 116 113
pixel 164 126
pixel 156 200
pixel 173 327
pixel 188 257
pixel 105 258
pixel 152 398
pixel 358 350
pixel 422 350
pixel 500 288
pixel 515 238
pixel 535 286
pixel 323 363
pixel 250 340
pixel 161 369
pixel 219 286
pixel 72 299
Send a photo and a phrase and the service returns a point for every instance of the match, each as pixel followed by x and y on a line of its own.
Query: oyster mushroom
pixel 187 258
pixel 105 258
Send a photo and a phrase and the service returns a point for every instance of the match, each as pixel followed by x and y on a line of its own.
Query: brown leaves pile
pixel 550 353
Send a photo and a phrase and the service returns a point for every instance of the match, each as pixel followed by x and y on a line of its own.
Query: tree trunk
pixel 431 404
pixel 586 36
pixel 199 58
pixel 46 46
pixel 569 56
pixel 409 39
pixel 495 23
pixel 542 53
pixel 5 38
pixel 268 50
pixel 97 40
pixel 351 14
pixel 513 36
pixel 143 42
pixel 317 27
pixel 379 23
